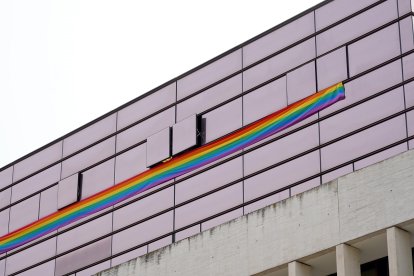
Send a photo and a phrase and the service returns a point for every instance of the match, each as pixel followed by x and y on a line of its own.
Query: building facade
pixel 358 224
pixel 367 45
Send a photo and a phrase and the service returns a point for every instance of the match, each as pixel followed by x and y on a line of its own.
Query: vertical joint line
pixel 242 80
pixel 314 32
pixel 170 129
pixel 242 117
pixel 316 78
pixel 176 99
pixel 114 175
pixel 402 78
pixel 61 166
pixel 11 194
pixel 317 89
pixel 38 212
pixel 171 152
pixel 173 235
pixel 286 90
pixel 9 209
pixel 319 126
pixel 398 9
pixel 60 178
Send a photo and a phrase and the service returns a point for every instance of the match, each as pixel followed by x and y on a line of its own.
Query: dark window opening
pixel 80 184
pixel 201 130
pixel 375 268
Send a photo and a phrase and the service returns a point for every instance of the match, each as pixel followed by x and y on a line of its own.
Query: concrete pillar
pixel 347 261
pixel 299 269
pixel 399 252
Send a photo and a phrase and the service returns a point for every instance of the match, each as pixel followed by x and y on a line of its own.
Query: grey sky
pixel 64 63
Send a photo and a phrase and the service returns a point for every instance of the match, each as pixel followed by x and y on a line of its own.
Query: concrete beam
pixel 400 262
pixel 347 260
pixel 299 269
pixel 361 203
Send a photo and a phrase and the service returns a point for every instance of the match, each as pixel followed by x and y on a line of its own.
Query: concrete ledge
pixel 345 209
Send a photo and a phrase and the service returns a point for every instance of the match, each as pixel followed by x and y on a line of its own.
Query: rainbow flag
pixel 177 166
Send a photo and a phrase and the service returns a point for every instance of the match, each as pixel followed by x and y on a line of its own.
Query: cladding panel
pixel 279 39
pixel 407 34
pixel 68 190
pixel 279 64
pixel 209 205
pixel 98 178
pixel 146 106
pixel 187 232
pixel 303 187
pixel 37 161
pixel 129 255
pixel 209 74
pixel 94 269
pixel 264 101
pixel 4 221
pixel 84 233
pixel 328 14
pixel 209 98
pixel 84 256
pixel 363 142
pixel 381 156
pixel 6 177
pixel 281 149
pixel 332 68
pixel 404 6
pixel 130 163
pixel 159 244
pixel 281 176
pixel 31 256
pixel 374 49
pixel 143 130
pixel 5 197
pixel 201 183
pixel 266 201
pixel 301 82
pixel 48 201
pixel 368 85
pixel 142 232
pixel 88 157
pixel 24 212
pixel 408 66
pixel 184 134
pixel 356 26
pixel 158 147
pixel 361 115
pixel 143 208
pixel 89 135
pixel 221 219
pixel 410 122
pixel 37 182
pixel 337 173
pixel 222 120
pixel 46 269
